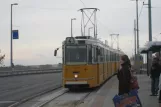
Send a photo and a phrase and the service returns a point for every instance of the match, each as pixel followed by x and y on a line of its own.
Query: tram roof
pixel 97 42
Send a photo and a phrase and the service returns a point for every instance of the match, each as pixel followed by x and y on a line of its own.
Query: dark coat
pixel 155 70
pixel 124 77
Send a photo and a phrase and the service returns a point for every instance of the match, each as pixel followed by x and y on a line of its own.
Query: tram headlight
pixel 76 75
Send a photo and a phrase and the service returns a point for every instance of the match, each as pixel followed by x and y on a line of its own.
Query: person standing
pixel 159 92
pixel 124 75
pixel 154 75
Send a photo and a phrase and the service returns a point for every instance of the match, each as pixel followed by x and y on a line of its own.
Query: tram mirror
pixel 55 52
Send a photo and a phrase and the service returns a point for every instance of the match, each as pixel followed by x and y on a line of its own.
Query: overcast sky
pixel 44 24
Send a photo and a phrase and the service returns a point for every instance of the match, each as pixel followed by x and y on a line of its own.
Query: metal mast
pixel 89 18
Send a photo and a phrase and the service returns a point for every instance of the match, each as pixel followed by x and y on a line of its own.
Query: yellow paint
pixel 85 73
pixel 94 74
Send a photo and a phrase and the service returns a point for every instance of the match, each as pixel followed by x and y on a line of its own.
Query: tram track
pixel 82 100
pixel 42 105
pixel 69 98
pixel 74 98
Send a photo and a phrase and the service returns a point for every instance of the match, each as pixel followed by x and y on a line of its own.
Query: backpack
pixel 133 82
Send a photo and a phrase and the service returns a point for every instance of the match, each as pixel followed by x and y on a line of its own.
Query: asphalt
pixel 14 89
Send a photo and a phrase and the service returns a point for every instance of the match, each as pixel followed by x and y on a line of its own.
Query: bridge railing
pixel 27 72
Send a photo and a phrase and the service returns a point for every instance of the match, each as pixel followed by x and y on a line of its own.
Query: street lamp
pixel 72 26
pixel 89 31
pixel 11 35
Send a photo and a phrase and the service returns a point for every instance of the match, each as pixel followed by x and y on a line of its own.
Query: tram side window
pixel 63 54
pixel 111 56
pixel 102 55
pixel 117 57
pixel 90 54
pixel 106 55
pixel 114 56
pixel 95 54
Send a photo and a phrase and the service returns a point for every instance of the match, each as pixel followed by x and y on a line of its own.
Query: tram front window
pixel 76 55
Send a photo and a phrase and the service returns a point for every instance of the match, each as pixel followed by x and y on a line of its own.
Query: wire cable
pixel 83 3
pixel 30 7
pixel 141 9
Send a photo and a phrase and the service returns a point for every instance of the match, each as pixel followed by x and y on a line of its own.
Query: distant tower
pixel 89 18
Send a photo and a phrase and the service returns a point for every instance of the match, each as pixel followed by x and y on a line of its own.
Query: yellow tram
pixel 87 62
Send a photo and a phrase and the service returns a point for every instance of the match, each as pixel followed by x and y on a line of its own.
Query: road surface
pixel 13 89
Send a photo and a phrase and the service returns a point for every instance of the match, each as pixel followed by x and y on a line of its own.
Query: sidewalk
pixel 104 96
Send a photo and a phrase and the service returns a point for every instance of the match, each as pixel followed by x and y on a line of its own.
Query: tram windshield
pixel 76 55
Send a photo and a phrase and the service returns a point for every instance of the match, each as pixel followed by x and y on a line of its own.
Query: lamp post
pixel 89 31
pixel 72 26
pixel 11 35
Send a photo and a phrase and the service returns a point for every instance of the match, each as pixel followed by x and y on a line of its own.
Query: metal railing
pixel 28 72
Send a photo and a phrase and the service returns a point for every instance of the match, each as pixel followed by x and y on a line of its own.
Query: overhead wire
pixel 28 7
pixel 141 9
pixel 83 3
